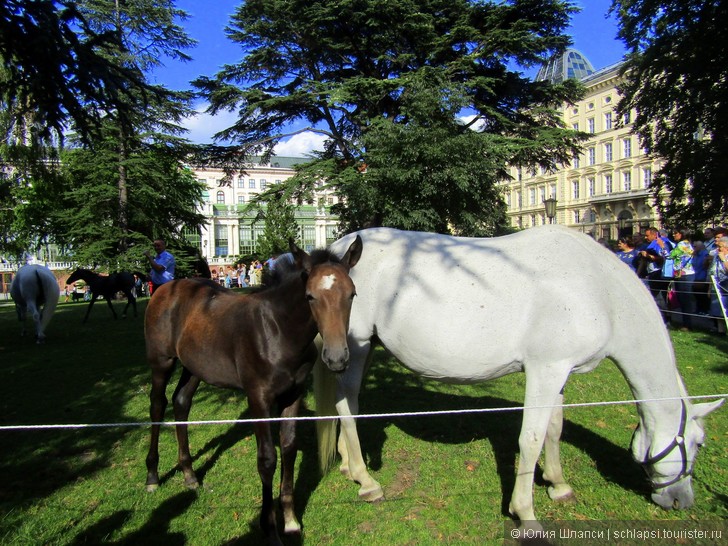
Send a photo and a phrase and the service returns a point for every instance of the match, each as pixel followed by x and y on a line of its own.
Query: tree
pixel 65 70
pixel 279 223
pixel 354 70
pixel 162 201
pixel 676 72
pixel 128 38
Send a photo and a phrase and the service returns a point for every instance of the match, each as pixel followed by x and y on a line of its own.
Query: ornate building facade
pixel 605 191
pixel 231 231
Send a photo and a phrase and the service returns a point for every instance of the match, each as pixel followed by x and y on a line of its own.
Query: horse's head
pixel 330 293
pixel 77 275
pixel 669 461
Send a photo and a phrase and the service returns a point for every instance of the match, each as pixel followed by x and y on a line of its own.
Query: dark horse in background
pixel 107 286
pixel 196 321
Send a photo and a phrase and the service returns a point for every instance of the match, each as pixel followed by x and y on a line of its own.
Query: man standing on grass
pixel 162 265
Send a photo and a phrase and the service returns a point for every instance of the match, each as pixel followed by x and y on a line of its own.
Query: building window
pixel 519 200
pixel 590 125
pixel 608 121
pixel 221 240
pixel 592 183
pixel 608 151
pixel 263 183
pixel 241 199
pixel 575 126
pixel 533 219
pixel 577 217
pixel 576 162
pixel 241 182
pixel 627 147
pixel 532 196
pixel 221 198
pixel 627 177
pixel 543 193
pixel 553 191
pixel 627 118
pixel 647 177
pixel 575 188
pixel 592 155
pixel 607 183
pixel 251 183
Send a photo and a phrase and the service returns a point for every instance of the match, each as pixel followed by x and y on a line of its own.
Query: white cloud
pixel 203 126
pixel 300 145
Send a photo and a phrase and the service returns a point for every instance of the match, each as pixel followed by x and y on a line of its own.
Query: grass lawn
pixel 447 479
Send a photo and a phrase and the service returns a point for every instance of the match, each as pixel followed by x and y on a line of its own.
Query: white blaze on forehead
pixel 327 282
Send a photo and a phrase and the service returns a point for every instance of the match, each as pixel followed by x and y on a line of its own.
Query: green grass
pixel 447 479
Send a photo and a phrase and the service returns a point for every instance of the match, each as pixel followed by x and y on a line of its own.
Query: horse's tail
pixel 324 389
pixel 51 294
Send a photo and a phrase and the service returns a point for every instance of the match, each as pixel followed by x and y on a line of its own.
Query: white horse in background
pixel 35 291
pixel 547 301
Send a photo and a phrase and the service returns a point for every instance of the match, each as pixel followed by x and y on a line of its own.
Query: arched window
pixel 221 197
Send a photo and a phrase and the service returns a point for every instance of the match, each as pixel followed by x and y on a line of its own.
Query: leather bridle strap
pixel 677 442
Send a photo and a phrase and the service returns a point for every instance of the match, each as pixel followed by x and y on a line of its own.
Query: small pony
pixel 107 287
pixel 35 290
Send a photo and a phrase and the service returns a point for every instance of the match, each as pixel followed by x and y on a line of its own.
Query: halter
pixel 677 441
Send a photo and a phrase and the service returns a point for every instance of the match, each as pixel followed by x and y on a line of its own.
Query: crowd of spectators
pixel 686 273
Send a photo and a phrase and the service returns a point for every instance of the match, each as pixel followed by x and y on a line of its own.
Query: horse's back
pixel 434 299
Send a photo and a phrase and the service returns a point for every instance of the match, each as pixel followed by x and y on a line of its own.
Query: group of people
pixel 679 269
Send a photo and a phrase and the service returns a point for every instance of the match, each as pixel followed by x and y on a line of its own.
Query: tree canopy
pixel 422 102
pixel 677 70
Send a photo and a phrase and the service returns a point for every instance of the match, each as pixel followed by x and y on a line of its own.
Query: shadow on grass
pixel 392 389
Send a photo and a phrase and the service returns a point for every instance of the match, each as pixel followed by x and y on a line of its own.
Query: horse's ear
pixel 701 410
pixel 351 258
pixel 300 257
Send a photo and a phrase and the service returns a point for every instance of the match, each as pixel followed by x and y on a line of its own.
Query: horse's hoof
pixel 152 487
pixel 561 493
pixel 292 528
pixel 192 484
pixel 373 495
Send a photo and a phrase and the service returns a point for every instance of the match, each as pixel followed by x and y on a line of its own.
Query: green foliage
pixel 364 72
pixel 162 198
pixel 676 71
pixel 63 66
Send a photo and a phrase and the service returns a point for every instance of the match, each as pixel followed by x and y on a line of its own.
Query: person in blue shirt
pixel 657 251
pixel 162 265
pixel 627 252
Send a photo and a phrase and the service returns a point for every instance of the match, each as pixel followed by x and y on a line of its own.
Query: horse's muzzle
pixel 675 497
pixel 336 359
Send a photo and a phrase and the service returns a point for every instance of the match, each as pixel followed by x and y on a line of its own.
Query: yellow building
pixel 605 190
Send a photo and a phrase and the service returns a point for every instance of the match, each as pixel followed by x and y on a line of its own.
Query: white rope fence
pixel 361 416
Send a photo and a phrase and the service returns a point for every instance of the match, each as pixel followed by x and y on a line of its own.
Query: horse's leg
pixel 90 305
pixel 158 403
pixel 182 402
pixel 559 489
pixel 348 387
pixel 266 464
pixel 289 450
pixel 130 300
pixel 111 306
pixel 543 385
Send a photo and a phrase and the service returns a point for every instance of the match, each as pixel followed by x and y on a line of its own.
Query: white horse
pixel 548 302
pixel 35 290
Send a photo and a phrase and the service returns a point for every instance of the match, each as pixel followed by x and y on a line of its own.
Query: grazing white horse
pixel 547 301
pixel 35 291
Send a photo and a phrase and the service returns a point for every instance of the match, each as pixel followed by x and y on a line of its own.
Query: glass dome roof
pixel 572 64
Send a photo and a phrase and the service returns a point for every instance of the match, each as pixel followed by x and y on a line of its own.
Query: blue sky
pixel 593 34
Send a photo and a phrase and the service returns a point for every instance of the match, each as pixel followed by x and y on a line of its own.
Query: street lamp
pixel 550 205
